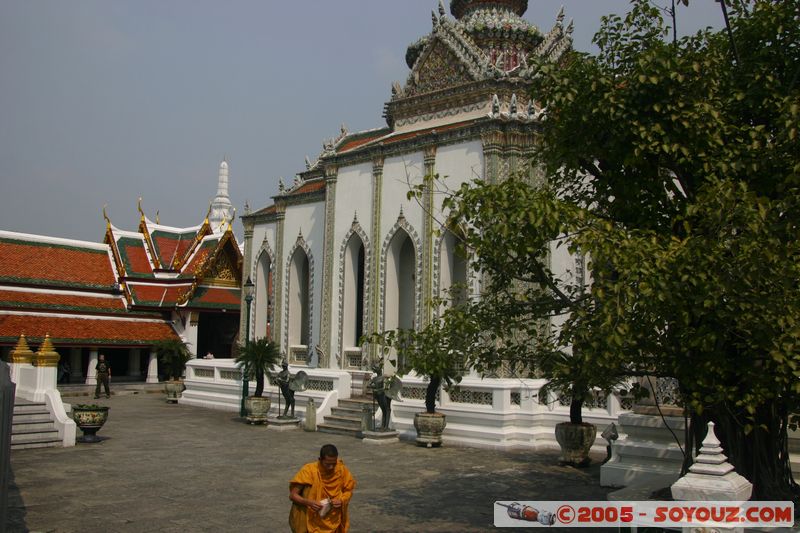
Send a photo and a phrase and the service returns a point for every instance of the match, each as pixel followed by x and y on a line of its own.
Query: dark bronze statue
pixel 284 379
pixel 379 385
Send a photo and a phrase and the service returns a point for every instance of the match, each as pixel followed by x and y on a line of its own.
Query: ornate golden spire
pixel 47 354
pixel 141 213
pixel 22 352
pixel 105 216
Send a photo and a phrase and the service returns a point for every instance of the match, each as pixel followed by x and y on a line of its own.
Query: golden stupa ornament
pixel 22 352
pixel 47 354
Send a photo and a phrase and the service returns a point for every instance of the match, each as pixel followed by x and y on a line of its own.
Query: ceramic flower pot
pixel 575 440
pixel 430 427
pixel 89 418
pixel 257 409
pixel 174 390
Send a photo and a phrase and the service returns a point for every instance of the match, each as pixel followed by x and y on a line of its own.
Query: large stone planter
pixel 257 408
pixel 89 418
pixel 174 390
pixel 430 427
pixel 575 440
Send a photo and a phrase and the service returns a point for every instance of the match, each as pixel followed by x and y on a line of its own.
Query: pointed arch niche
pixel 299 302
pixel 263 319
pixel 353 282
pixel 453 271
pixel 401 271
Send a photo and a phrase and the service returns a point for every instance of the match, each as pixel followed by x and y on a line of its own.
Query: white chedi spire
pixel 221 207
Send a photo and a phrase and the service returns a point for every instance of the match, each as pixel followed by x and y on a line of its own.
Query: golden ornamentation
pixel 47 354
pixel 21 352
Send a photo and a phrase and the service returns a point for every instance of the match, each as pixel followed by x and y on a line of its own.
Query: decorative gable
pixel 437 68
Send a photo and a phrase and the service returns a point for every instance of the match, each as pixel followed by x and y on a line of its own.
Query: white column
pixel 152 369
pixel 134 358
pixel 75 363
pixel 91 371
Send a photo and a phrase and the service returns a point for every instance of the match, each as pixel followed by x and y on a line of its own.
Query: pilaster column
pixel 247 271
pixel 331 174
pixel 375 266
pixel 91 371
pixel 280 264
pixel 492 148
pixel 427 238
pixel 152 368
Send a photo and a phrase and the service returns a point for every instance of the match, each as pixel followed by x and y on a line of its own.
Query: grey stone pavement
pixel 175 468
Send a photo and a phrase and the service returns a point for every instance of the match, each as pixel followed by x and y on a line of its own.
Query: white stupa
pixel 221 207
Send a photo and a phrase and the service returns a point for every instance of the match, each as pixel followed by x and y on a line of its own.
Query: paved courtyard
pixel 175 468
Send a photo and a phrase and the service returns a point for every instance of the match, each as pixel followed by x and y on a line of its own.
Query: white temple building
pixel 342 252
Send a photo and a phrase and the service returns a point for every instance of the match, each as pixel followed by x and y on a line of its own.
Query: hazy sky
pixel 104 101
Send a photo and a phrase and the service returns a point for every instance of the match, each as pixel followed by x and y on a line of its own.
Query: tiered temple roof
pixel 472 70
pixel 122 292
pixel 69 290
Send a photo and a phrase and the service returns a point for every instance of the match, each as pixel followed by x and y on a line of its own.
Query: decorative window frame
pixel 299 243
pixel 355 229
pixel 402 224
pixel 254 272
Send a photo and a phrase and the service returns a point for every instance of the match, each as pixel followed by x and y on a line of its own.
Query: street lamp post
pixel 248 297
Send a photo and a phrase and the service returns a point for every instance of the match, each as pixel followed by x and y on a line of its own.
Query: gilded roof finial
pixel 208 213
pixel 139 205
pixel 105 216
pixel 21 352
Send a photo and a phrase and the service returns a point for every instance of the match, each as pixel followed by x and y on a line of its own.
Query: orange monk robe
pixel 339 484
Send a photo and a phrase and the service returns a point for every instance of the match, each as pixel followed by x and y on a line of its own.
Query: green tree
pixel 673 167
pixel 256 358
pixel 173 354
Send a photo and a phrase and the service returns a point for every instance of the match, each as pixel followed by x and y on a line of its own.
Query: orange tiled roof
pixel 134 257
pixel 154 295
pixel 50 264
pixel 199 257
pixel 55 301
pixel 83 331
pixel 171 246
pixel 217 297
pixel 309 186
pixel 356 142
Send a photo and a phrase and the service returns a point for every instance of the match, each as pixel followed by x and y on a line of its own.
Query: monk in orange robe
pixel 320 494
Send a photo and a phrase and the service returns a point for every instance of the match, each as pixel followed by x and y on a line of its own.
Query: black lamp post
pixel 248 297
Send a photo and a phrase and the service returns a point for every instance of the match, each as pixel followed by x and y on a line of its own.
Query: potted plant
pixel 173 355
pixel 256 358
pixel 89 418
pixel 428 352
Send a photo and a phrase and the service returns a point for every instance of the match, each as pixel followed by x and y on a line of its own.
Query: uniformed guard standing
pixel 103 376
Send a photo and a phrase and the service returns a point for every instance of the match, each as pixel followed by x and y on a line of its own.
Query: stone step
pixel 27 426
pixel 31 417
pixel 346 412
pixel 35 443
pixel 29 408
pixel 341 421
pixel 338 430
pixel 25 437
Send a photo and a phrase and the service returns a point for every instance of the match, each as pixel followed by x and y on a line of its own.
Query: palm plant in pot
pixel 256 358
pixel 173 354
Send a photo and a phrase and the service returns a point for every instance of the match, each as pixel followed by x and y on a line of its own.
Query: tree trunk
pixel 259 384
pixel 575 409
pixel 430 394
pixel 761 456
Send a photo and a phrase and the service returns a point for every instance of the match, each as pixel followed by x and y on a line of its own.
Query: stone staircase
pixel 31 427
pixel 345 419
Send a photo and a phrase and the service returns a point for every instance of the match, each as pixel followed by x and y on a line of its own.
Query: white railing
pixel 217 384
